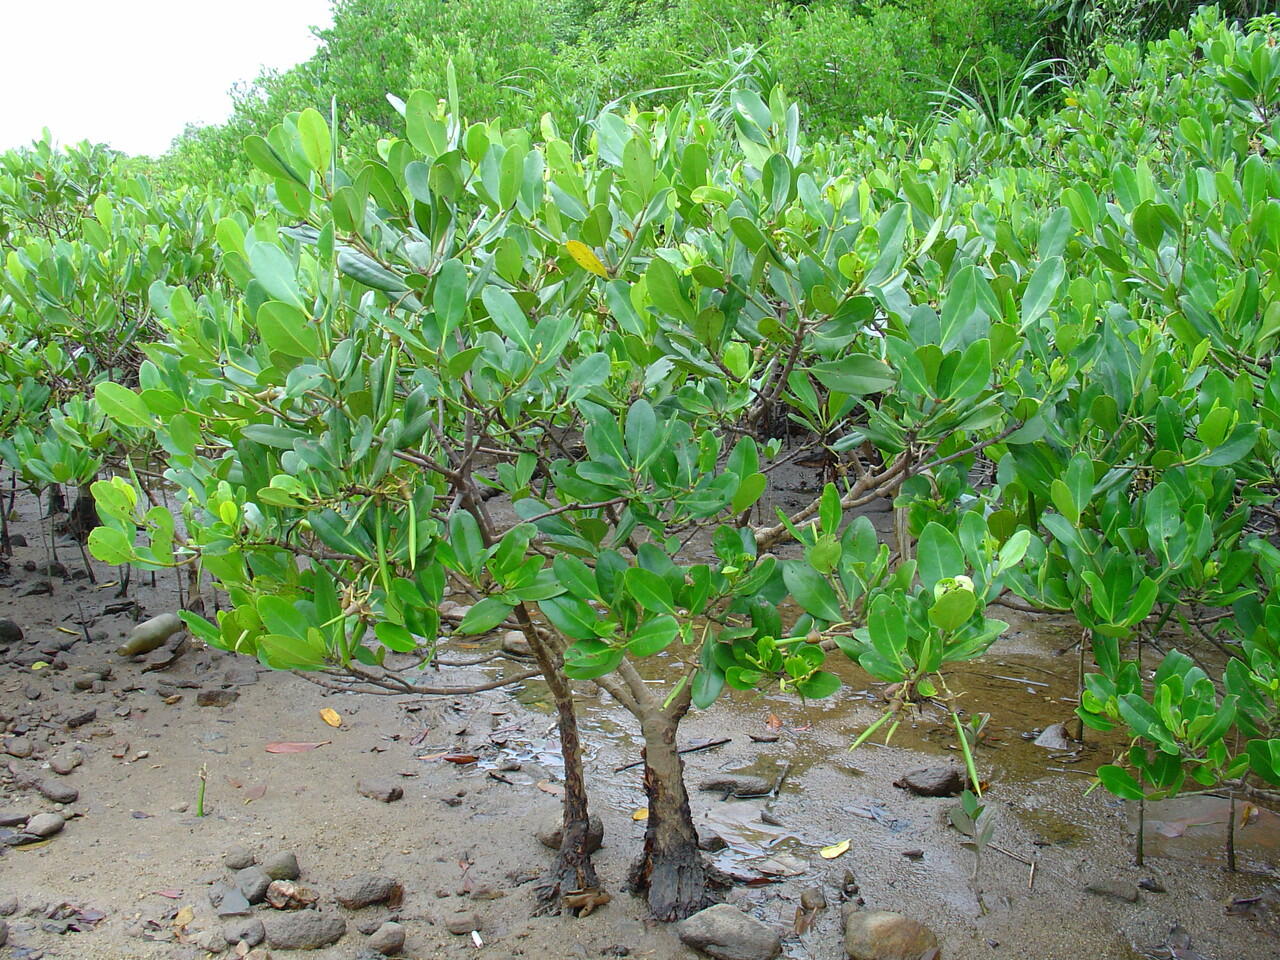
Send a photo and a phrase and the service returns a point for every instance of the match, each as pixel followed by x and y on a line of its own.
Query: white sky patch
pixel 134 73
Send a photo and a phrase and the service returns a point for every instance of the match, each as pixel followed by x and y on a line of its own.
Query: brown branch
pixel 564 508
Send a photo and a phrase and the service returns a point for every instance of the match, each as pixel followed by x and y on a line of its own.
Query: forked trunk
pixel 670 872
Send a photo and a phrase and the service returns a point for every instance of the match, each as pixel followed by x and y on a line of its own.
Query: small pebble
pixel 462 923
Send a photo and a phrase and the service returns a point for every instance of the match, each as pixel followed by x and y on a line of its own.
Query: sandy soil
pixel 462 837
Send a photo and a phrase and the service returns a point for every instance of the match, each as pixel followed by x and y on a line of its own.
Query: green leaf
pixel 111 545
pixel 122 405
pixel 649 589
pixel 939 555
pixel 449 298
pixel 855 375
pixel 653 636
pixel 571 616
pixel 1264 759
pixel 953 609
pixel 286 329
pixel 812 591
pixel 316 143
pixel 750 489
pixel 665 292
pixel 1041 290
pixel 642 435
pixel 263 156
pixel 395 637
pixel 818 685
pixel 587 374
pixel 1120 782
pixel 590 659
pixel 508 316
pixel 485 615
pixel 274 270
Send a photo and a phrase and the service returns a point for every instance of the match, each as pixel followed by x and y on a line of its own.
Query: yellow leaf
pixel 184 916
pixel 39 665
pixel 641 814
pixel 835 850
pixel 330 716
pixel 585 257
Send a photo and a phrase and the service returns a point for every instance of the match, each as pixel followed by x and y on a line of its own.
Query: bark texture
pixel 670 872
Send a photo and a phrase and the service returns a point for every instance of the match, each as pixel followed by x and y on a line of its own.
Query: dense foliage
pixel 1048 338
pixel 516 58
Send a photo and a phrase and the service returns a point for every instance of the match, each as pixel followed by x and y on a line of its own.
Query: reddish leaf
pixel 171 894
pixel 773 722
pixel 294 747
pixel 461 758
pixel 255 793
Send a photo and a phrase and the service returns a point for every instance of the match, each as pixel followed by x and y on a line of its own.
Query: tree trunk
pixel 670 871
pixel 573 871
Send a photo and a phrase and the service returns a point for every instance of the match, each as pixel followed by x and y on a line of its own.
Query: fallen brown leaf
pixel 294 747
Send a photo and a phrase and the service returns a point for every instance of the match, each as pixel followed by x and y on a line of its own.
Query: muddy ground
pixel 134 865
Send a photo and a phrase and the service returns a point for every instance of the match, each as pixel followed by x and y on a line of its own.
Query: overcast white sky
pixel 133 73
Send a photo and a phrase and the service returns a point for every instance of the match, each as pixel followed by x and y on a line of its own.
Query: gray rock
pixel 250 930
pixel 365 889
pixel 80 719
pixel 377 789
pixel 1054 737
pixel 19 747
pixel 57 792
pixel 237 857
pixel 10 632
pixel 515 643
pixel 551 831
pixel 736 786
pixel 211 941
pixel 462 922
pixel 881 935
pixel 253 883
pixel 240 675
pixel 14 816
pixel 303 929
pixel 150 634
pixel 8 907
pixel 63 762
pixel 710 841
pixel 233 903
pixel 216 698
pixel 726 933
pixel 4 933
pixel 1115 889
pixel 45 824
pixel 282 866
pixel 388 939
pixel 932 781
